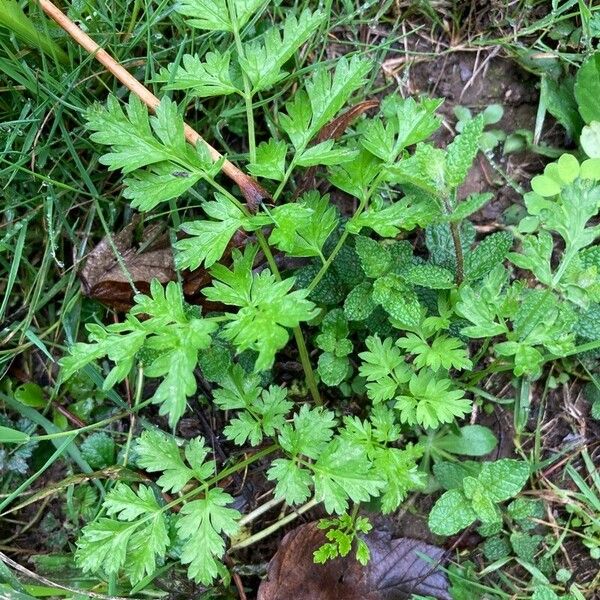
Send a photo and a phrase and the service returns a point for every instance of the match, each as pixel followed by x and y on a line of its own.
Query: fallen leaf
pixel 398 568
pixel 107 278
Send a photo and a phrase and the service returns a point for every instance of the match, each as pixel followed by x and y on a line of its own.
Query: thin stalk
pixel 363 203
pixel 247 85
pixel 274 527
pixel 458 251
pixel 309 373
pixel 263 508
pixel 139 389
pixel 460 261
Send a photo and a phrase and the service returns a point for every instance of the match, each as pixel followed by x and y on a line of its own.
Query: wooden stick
pixel 252 190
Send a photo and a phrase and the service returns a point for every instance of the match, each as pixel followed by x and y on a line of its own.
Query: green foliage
pixel 496 482
pixel 587 88
pixel 401 312
pixel 342 532
pixel 99 450
pixel 266 307
pixel 153 151
pixel 167 343
pixel 135 532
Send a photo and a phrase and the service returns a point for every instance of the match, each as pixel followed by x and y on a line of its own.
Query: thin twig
pixel 252 190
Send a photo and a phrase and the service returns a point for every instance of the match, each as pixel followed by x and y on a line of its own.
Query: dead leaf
pixel 395 571
pixel 332 131
pixel 108 279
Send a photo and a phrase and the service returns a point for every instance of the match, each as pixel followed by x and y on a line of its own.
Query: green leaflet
pixel 133 541
pixel 159 452
pixel 267 307
pixel 209 239
pixel 270 160
pixel 199 528
pixel 157 143
pixel 489 253
pixel 214 15
pixel 462 151
pixel 204 79
pixel 587 88
pixel 302 228
pixel 325 95
pixel 476 498
pixel 170 338
pixel 262 60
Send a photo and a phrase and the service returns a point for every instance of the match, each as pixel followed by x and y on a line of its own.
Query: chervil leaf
pixel 425 170
pixel 270 160
pixel 159 183
pixel 128 505
pixel 176 363
pixel 356 176
pixel 384 368
pixel 325 154
pixel 204 79
pixel 238 390
pixel 199 529
pixel 432 401
pixel 446 352
pixel 110 342
pixel 307 236
pixel 293 482
pixel 264 415
pixel 325 95
pixel 401 474
pixel 343 472
pixel 103 545
pixel 169 341
pixel 213 15
pixel 209 239
pixel 159 452
pixel 267 307
pixel 407 122
pixel 130 135
pixel 263 60
pixel 403 214
pixel 158 143
pixel 133 542
pixel 309 432
pixel 328 93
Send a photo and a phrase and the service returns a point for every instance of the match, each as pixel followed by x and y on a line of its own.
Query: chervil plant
pixel 406 328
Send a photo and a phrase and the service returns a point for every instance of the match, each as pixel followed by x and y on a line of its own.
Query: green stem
pixel 247 86
pixel 309 373
pixel 274 527
pixel 455 232
pixel 286 175
pixel 363 203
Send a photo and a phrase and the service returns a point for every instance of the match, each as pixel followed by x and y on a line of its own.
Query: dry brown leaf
pixel 108 279
pixel 395 571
